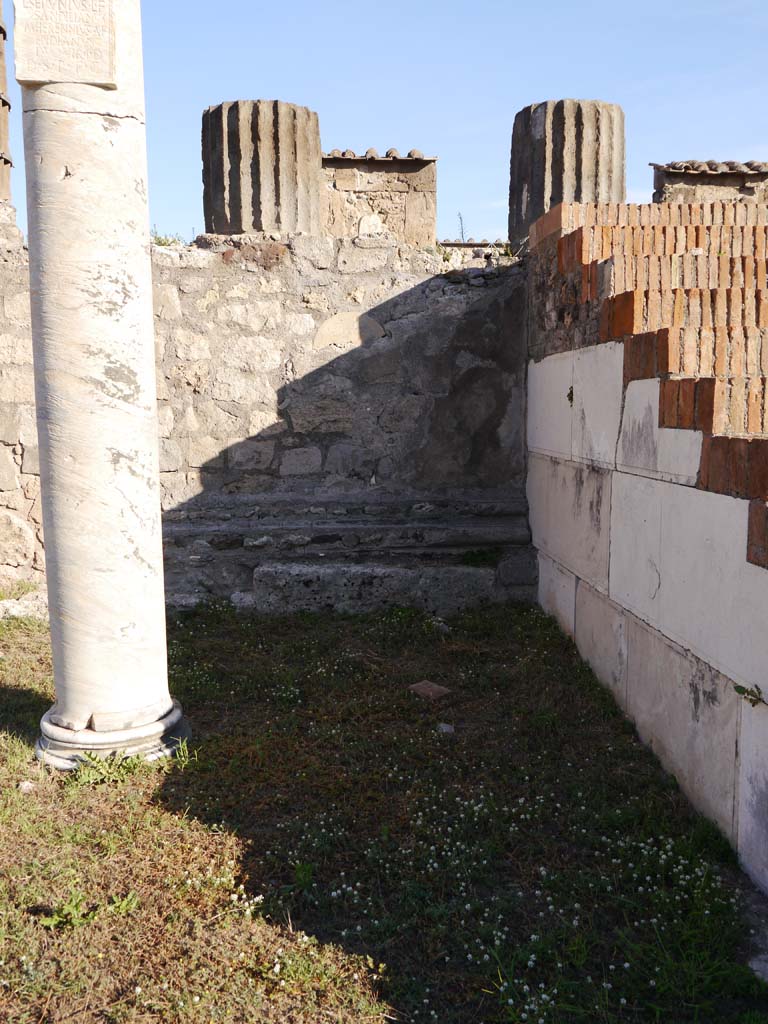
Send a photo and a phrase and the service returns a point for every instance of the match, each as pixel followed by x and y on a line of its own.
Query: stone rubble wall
pixel 398 194
pixel 671 186
pixel 648 482
pixel 305 373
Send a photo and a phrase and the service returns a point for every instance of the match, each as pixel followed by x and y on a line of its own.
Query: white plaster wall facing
pixel 649 574
pixel 92 324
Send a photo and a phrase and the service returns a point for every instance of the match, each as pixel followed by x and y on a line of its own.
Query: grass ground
pixel 327 849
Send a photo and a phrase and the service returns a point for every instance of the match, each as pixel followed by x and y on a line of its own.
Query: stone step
pixel 220 553
pixel 289 587
pixel 282 508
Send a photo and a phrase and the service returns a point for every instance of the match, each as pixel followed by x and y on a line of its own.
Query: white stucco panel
pixel 598 382
pixel 646 449
pixel 549 409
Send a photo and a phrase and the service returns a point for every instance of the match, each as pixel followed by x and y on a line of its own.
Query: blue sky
pixel 447 77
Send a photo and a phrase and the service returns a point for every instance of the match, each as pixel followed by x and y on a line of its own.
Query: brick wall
pixel 648 479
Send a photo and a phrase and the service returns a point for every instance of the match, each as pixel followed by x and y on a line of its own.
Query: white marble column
pixel 80 67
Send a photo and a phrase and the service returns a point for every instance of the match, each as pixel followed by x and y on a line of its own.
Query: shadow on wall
pixel 412 406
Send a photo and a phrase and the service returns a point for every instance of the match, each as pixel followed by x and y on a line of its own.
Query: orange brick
pixel 621 316
pixel 755 406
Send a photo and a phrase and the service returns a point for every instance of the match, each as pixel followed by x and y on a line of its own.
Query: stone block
pixel 9 422
pixel 550 405
pixel 165 420
pixel 598 389
pixel 557 593
pixel 17 309
pixel 517 568
pixel 301 462
pixel 327 405
pixel 346 331
pixel 171 457
pixel 17 541
pixel 9 471
pixel 251 353
pixel 712 600
pixel 167 302
pixel 570 507
pixel 420 219
pixel 349 460
pixel 281 589
pixel 320 252
pixel 354 260
pixel 262 168
pixel 190 346
pixel 250 454
pixel 753 792
pixel 204 451
pixel 636 504
pixel 565 151
pixel 30 460
pixel 647 449
pixel 601 637
pixel 688 714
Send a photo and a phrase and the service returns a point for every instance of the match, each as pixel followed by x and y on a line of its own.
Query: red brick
pixel 714 474
pixel 668 401
pixel 757 536
pixel 686 404
pixel 639 358
pixel 737 457
pixel 705 405
pixel 757 470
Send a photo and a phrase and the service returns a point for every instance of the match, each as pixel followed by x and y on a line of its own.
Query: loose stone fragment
pixel 429 690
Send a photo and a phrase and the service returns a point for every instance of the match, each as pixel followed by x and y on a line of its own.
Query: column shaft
pixel 92 325
pixel 262 168
pixel 568 151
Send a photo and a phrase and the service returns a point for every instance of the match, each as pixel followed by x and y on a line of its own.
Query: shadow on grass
pixel 21 711
pixel 26 676
pixel 483 850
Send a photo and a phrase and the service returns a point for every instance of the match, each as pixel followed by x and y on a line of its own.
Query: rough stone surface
pixel 694 181
pixel 282 588
pixel 564 151
pixel 367 197
pixel 311 373
pixel 31 606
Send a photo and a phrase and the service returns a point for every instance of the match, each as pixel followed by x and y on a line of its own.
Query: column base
pixel 64 749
